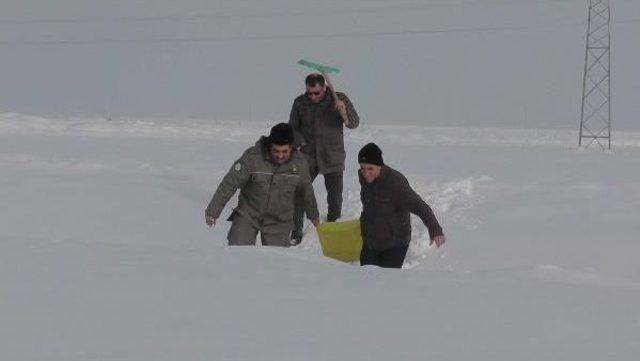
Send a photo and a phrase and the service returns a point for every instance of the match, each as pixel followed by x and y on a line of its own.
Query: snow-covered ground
pixel 104 254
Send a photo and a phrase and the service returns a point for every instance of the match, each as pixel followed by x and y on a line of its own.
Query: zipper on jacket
pixel 266 206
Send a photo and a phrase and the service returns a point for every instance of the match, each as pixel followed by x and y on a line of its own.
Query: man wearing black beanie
pixel 387 201
pixel 281 134
pixel 370 154
pixel 270 176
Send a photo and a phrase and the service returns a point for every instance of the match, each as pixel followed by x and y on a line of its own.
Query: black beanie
pixel 281 134
pixel 370 154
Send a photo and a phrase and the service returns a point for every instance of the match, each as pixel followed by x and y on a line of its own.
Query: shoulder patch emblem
pixel 237 167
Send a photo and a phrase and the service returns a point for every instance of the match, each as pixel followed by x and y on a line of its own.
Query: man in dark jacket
pixel 318 128
pixel 269 175
pixel 387 199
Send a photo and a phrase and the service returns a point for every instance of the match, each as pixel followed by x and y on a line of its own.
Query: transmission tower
pixel 595 115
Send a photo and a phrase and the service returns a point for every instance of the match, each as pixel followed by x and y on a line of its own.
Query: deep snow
pixel 104 254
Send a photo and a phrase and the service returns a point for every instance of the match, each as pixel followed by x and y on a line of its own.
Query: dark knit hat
pixel 370 154
pixel 281 134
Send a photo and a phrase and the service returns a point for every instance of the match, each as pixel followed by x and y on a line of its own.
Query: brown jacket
pixel 386 203
pixel 320 127
pixel 267 190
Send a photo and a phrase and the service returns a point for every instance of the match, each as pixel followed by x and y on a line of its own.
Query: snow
pixel 104 253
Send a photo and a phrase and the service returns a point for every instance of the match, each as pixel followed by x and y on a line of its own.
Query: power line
pixel 318 13
pixel 468 30
pixel 283 37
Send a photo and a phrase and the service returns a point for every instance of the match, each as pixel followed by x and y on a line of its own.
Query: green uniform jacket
pixel 386 203
pixel 320 127
pixel 267 190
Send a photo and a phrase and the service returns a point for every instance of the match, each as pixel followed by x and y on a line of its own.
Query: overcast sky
pixel 515 63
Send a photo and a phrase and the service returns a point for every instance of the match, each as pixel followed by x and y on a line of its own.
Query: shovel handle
pixel 342 112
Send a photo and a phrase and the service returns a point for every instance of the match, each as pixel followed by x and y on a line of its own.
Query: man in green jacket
pixel 269 175
pixel 385 222
pixel 319 134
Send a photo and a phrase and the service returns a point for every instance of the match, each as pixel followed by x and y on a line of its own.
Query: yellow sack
pixel 341 240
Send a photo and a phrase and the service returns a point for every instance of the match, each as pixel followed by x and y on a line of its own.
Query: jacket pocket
pixel 261 178
pixel 282 201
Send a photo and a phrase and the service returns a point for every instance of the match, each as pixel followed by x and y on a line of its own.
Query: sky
pixel 478 63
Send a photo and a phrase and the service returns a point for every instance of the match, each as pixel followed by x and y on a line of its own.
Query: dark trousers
pixel 390 258
pixel 333 184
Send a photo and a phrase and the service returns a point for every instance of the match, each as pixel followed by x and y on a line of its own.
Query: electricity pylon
pixel 595 115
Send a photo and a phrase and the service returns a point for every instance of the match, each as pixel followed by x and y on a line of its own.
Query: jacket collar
pixel 384 172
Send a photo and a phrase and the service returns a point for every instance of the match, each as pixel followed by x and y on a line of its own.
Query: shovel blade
pixel 319 67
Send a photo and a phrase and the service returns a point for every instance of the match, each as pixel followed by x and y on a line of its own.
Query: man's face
pixel 280 153
pixel 370 171
pixel 316 93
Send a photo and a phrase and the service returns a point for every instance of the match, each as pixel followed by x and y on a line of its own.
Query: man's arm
pixel 294 121
pixel 236 178
pixel 344 101
pixel 305 187
pixel 412 202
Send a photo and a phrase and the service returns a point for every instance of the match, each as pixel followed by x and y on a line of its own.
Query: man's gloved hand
pixel 438 240
pixel 341 107
pixel 210 220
